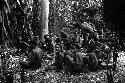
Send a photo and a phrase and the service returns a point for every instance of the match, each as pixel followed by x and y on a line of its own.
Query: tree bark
pixel 44 4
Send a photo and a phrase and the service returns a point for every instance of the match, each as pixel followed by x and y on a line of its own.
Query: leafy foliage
pixel 20 19
pixel 64 13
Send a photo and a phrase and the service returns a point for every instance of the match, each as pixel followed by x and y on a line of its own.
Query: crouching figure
pixel 33 59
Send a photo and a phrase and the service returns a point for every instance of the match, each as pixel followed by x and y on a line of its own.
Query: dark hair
pixel 33 44
pixel 67 44
pixel 45 36
pixel 63 34
pixel 96 51
pixel 58 40
pixel 48 40
pixel 61 47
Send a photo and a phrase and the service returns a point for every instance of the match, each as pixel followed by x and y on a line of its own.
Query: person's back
pixel 100 54
pixel 69 52
pixel 35 59
pixel 78 58
pixel 74 62
pixel 93 61
pixel 59 59
pixel 49 45
pixel 49 48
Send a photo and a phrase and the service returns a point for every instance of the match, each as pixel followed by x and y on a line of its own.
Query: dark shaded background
pixel 114 12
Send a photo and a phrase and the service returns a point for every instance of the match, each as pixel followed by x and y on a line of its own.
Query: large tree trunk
pixel 44 4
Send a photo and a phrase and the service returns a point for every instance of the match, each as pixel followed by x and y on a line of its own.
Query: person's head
pixel 77 47
pixel 45 36
pixel 58 40
pixel 96 51
pixel 33 44
pixel 48 40
pixel 37 39
pixel 68 46
pixel 63 34
pixel 58 48
pixel 105 48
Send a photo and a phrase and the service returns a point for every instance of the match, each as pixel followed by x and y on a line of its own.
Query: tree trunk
pixel 44 4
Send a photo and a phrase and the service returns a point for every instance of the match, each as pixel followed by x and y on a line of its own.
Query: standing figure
pixel 115 56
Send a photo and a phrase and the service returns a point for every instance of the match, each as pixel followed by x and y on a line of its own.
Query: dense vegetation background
pixel 21 19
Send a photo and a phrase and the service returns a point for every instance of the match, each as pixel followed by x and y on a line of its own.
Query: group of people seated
pixel 65 54
pixel 76 59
